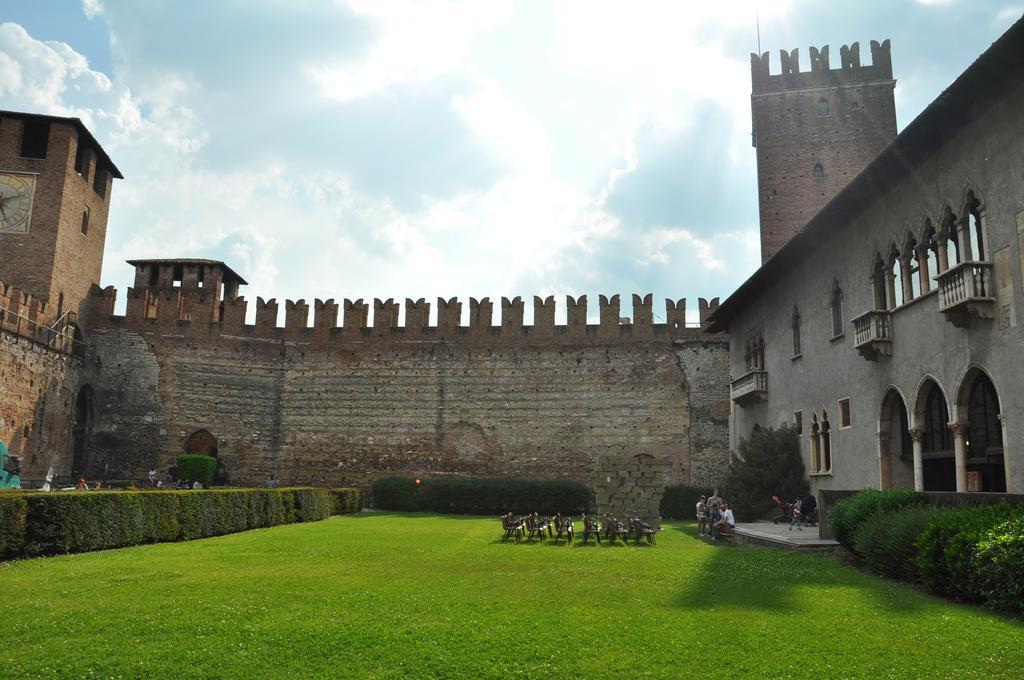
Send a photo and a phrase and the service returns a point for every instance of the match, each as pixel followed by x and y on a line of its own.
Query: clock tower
pixel 55 183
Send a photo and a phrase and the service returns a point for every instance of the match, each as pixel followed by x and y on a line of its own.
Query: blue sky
pixel 414 149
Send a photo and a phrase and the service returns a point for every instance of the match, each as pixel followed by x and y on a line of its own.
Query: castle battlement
pixel 27 316
pixel 171 311
pixel 850 71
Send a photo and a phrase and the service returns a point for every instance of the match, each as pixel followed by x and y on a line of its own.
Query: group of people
pixel 714 517
pixel 802 511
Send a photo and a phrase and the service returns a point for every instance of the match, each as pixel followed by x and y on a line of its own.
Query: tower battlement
pixel 850 71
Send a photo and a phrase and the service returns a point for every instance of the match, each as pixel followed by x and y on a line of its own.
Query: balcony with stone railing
pixel 966 290
pixel 750 387
pixel 872 333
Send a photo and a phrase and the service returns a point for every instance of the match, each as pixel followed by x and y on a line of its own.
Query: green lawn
pixel 388 595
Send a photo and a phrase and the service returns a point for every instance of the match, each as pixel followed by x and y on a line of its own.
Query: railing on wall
pixel 60 336
pixel 872 332
pixel 750 387
pixel 966 290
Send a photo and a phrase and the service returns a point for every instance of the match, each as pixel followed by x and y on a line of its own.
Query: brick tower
pixel 55 183
pixel 815 131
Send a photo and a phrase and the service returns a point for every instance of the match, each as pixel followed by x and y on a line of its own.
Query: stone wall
pixel 349 404
pixel 38 385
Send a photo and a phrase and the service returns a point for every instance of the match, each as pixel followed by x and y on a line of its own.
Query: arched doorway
pixel 80 430
pixel 932 416
pixel 895 449
pixel 978 407
pixel 202 443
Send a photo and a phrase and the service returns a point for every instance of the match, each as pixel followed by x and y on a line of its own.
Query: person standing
pixel 152 477
pixel 702 515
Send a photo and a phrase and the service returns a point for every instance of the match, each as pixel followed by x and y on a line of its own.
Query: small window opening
pixel 844 413
pixel 837 310
pixel 823 107
pixel 35 138
pixel 796 332
pixel 82 159
pixel 819 171
pixel 85 221
pixel 154 274
pixel 798 422
pixel 99 182
pixel 179 274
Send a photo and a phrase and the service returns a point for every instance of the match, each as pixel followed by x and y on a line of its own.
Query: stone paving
pixel 779 535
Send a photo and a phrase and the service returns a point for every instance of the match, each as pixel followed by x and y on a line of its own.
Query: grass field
pixel 390 595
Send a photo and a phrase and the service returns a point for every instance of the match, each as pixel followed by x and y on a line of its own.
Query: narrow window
pixel 796 332
pixel 897 281
pixel 35 138
pixel 819 171
pixel 914 269
pixel 837 310
pixel 974 226
pixel 878 283
pixel 815 444
pixel 154 274
pixel 844 413
pixel 85 221
pixel 798 422
pixel 823 107
pixel 82 158
pixel 99 182
pixel 826 443
pixel 60 306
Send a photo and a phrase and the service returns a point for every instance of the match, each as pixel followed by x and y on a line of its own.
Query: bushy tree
pixel 769 464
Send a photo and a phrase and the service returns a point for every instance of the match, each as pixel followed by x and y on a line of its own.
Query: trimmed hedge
pixel 346 501
pixel 947 548
pixel 481 496
pixel 847 515
pixel 195 468
pixel 680 501
pixel 12 523
pixel 69 522
pixel 886 541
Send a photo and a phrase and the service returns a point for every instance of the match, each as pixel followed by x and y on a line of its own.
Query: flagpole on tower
pixel 757 21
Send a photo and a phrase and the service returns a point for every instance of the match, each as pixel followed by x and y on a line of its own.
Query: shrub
pixel 481 496
pixel 196 468
pixel 768 464
pixel 347 500
pixel 13 509
pixel 999 561
pixel 69 522
pixel 395 493
pixel 946 548
pixel 680 501
pixel 848 514
pixel 887 540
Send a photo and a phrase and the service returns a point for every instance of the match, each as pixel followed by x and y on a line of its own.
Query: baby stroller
pixel 809 510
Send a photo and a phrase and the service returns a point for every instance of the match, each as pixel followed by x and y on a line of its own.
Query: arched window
pixel 836 304
pixel 819 171
pixel 754 353
pixel 949 235
pixel 203 443
pixel 986 432
pixel 826 443
pixel 937 437
pixel 932 249
pixel 85 221
pixel 823 107
pixel 796 332
pixel 974 227
pixel 815 444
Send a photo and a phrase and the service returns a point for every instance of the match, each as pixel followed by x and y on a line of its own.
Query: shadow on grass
pixel 774 579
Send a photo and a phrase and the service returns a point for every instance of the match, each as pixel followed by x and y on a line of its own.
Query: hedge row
pixel 69 522
pixel 479 496
pixel 680 501
pixel 973 554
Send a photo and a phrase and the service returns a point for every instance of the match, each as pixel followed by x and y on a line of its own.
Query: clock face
pixel 16 192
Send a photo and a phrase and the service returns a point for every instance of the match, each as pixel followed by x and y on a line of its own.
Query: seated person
pixel 727 523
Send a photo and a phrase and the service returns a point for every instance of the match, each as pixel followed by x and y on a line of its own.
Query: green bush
pixel 946 549
pixel 769 464
pixel 347 500
pixel 481 496
pixel 68 522
pixel 680 501
pixel 999 561
pixel 848 514
pixel 887 540
pixel 395 493
pixel 196 468
pixel 13 509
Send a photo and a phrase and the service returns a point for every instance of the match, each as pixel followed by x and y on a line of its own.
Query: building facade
pixel 888 330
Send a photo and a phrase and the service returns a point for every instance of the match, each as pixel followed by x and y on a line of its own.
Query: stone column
pixel 890 288
pixel 908 285
pixel 963 236
pixel 917 439
pixel 922 268
pixel 960 455
pixel 941 254
pixel 1006 455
